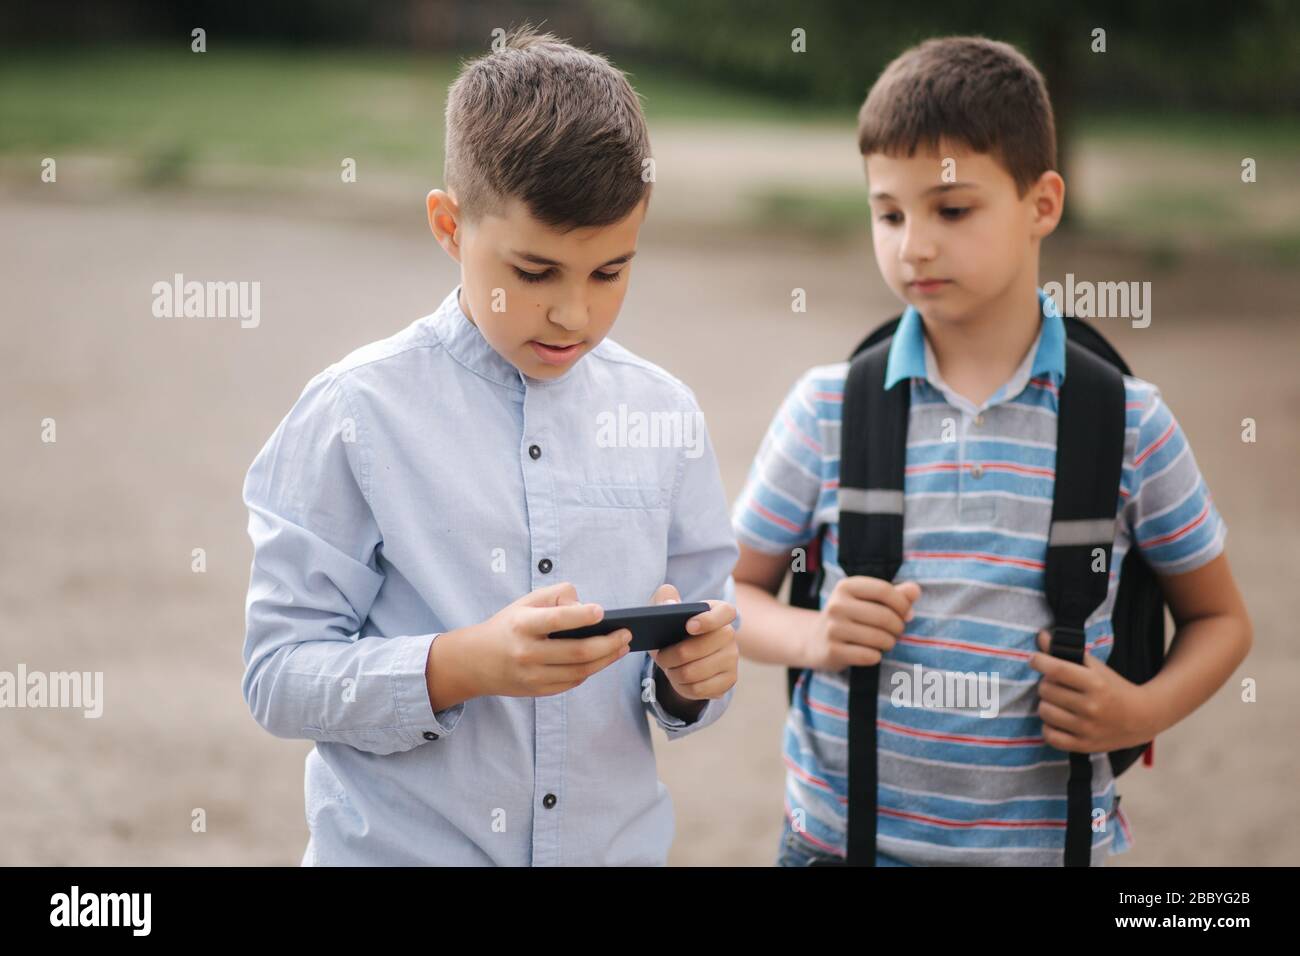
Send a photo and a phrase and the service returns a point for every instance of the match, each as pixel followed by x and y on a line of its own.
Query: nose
pixel 918 245
pixel 570 312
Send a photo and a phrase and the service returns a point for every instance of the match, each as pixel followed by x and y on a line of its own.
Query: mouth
pixel 555 354
pixel 928 285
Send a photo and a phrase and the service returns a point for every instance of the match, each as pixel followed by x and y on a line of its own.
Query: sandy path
pixel 158 420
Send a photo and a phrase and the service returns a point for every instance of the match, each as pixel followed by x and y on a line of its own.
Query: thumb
pixel 666 594
pixel 551 596
pixel 910 590
pixel 1045 645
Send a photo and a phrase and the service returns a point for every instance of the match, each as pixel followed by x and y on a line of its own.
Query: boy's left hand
pixel 703 666
pixel 1088 707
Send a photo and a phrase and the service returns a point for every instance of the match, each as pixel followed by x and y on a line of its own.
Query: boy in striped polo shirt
pixel 958 140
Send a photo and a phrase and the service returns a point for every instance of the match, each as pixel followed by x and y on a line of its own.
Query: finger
pixel 1089 662
pixel 709 689
pixel 665 594
pixel 562 593
pixel 1059 718
pixel 1055 669
pixel 882 592
pixel 1064 697
pixel 561 673
pixel 584 650
pixel 695 648
pixel 547 620
pixel 853 655
pixel 1062 740
pixel 703 668
pixel 1065 673
pixel 1045 645
pixel 863 636
pixel 719 614
pixel 910 590
pixel 874 614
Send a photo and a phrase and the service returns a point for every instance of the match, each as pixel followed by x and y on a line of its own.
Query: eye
pixel 953 213
pixel 607 276
pixel 532 276
pixel 893 218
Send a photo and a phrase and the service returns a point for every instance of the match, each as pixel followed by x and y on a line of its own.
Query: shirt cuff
pixel 649 697
pixel 415 715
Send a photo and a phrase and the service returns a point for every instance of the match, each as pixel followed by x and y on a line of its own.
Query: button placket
pixel 977 469
pixel 961 453
pixel 549 734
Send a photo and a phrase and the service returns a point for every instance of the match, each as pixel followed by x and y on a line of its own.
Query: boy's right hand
pixel 863 619
pixel 511 656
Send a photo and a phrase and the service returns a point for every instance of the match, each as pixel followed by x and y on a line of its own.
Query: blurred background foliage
pixel 1182 94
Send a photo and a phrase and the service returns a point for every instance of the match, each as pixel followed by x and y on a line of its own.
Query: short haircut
pixel 970 91
pixel 557 127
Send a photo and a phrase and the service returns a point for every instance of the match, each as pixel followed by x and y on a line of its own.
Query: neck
pixel 464 306
pixel 978 353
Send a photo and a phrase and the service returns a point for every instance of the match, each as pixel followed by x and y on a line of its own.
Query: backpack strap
pixel 870 543
pixel 1089 457
pixel 805 586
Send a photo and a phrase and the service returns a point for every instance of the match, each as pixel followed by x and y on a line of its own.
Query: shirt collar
pixel 909 351
pixel 463 339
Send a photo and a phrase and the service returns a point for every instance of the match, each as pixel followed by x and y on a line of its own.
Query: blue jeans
pixel 794 850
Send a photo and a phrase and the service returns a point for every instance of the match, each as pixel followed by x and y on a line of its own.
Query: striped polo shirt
pixel 956 787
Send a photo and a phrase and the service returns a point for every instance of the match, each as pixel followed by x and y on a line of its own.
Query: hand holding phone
pixel 653 627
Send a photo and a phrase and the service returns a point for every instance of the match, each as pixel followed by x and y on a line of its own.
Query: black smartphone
pixel 653 628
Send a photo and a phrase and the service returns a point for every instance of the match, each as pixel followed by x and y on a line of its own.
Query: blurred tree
pixel 1198 54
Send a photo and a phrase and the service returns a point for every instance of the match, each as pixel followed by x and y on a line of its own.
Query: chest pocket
pixel 644 497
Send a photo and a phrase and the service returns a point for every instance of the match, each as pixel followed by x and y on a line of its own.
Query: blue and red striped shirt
pixel 956 787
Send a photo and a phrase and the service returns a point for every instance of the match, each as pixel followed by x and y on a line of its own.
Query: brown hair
pixel 554 126
pixel 970 91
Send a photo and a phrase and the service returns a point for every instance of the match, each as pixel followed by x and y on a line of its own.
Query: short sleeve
pixel 775 509
pixel 1170 513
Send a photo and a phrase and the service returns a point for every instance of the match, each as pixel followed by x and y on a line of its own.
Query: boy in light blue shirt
pixel 434 504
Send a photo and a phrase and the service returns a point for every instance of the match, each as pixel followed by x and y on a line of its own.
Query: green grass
pixel 1204 131
pixel 171 110
pixel 170 113
pixel 824 213
pixel 263 108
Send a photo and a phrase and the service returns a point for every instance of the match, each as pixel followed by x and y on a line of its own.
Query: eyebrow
pixel 543 261
pixel 941 188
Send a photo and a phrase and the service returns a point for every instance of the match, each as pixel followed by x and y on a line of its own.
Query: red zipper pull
pixel 1149 755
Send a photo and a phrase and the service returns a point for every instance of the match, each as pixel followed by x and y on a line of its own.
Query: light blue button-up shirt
pixel 400 498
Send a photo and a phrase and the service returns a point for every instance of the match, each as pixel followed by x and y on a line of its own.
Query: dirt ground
pixel 158 420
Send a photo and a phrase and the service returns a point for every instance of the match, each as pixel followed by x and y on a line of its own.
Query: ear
pixel 445 221
pixel 1047 201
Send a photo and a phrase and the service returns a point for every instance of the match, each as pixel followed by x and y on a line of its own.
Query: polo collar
pixel 909 350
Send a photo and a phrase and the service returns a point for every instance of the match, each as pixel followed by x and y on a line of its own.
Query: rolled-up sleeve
pixel 702 554
pixel 308 672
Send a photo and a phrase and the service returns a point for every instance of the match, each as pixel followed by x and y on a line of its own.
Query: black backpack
pixel 1089 457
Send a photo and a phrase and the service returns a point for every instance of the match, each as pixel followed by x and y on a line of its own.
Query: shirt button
pixel 535 452
pixel 979 419
pixel 977 471
pixel 430 735
pixel 544 565
pixel 548 801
